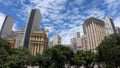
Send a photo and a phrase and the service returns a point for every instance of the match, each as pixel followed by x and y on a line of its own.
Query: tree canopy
pixel 109 51
pixel 59 56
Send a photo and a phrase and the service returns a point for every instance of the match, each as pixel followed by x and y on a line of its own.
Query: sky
pixel 61 17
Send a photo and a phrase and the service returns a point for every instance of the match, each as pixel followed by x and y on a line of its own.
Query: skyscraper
pixel 56 40
pixel 32 25
pixel 76 42
pixel 94 29
pixel 6 29
pixel 109 26
pixel 117 30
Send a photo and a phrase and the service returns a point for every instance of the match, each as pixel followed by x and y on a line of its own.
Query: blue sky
pixel 61 17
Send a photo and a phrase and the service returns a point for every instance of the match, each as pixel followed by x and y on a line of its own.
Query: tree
pixel 84 58
pixel 109 51
pixel 89 58
pixel 4 44
pixel 4 53
pixel 19 58
pixel 78 59
pixel 59 56
pixel 3 58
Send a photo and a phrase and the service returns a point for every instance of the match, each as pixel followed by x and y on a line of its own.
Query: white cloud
pixel 2 17
pixel 69 33
pixel 6 2
pixel 95 13
pixel 14 26
pixel 51 29
pixel 51 11
pixel 112 4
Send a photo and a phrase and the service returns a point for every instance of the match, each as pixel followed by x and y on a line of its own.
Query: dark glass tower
pixel 32 25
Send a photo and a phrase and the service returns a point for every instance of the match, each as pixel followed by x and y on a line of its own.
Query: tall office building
pixel 109 26
pixel 56 40
pixel 76 42
pixel 19 38
pixel 6 29
pixel 73 44
pixel 77 35
pixel 32 25
pixel 117 30
pixel 84 43
pixel 94 29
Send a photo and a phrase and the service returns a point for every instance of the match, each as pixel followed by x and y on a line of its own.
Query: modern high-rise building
pixel 84 43
pixel 6 29
pixel 19 38
pixel 76 42
pixel 33 24
pixel 73 44
pixel 56 40
pixel 117 30
pixel 94 29
pixel 77 35
pixel 109 26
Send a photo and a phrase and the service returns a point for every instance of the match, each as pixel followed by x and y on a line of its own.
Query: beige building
pixel 94 29
pixel 11 41
pixel 38 41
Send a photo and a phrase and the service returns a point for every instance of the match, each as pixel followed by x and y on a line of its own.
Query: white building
pixel 76 42
pixel 117 30
pixel 19 38
pixel 109 26
pixel 56 41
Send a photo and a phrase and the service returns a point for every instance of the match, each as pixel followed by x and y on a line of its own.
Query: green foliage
pixel 19 58
pixel 85 58
pixel 108 54
pixel 4 44
pixel 59 56
pixel 3 58
pixel 109 51
pixel 13 57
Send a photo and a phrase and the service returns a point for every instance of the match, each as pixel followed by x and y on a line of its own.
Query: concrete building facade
pixel 7 26
pixel 117 30
pixel 84 42
pixel 19 38
pixel 109 26
pixel 76 42
pixel 11 40
pixel 38 42
pixel 56 40
pixel 73 44
pixel 94 29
